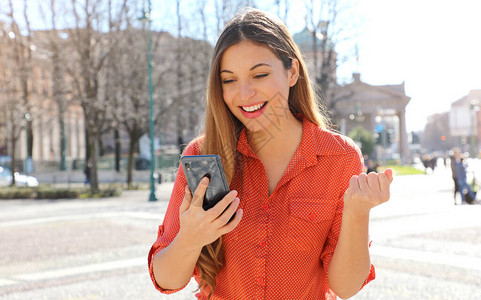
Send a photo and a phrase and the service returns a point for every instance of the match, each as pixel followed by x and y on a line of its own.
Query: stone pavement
pixel 424 247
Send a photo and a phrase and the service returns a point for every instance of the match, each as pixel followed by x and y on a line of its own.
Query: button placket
pixel 261 255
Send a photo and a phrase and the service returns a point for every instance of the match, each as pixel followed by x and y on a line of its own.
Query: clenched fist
pixel 366 191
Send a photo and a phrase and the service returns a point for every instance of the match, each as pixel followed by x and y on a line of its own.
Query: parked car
pixel 20 179
pixel 5 160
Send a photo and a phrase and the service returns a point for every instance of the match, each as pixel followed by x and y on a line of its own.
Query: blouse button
pixel 312 216
pixel 265 206
pixel 260 281
pixel 263 244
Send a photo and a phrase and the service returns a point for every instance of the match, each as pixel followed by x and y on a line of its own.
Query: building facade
pixel 465 122
pixel 27 103
pixel 379 109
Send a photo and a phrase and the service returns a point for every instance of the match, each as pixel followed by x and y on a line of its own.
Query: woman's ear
pixel 293 72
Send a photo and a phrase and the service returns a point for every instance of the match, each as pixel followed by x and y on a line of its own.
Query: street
pixel 424 246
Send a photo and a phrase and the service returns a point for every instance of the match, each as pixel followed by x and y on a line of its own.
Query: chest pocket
pixel 309 223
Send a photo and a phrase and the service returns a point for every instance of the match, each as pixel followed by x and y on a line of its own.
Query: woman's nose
pixel 246 91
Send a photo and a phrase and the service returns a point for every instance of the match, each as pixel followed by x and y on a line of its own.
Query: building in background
pixel 464 122
pixel 437 137
pixel 379 109
pixel 41 109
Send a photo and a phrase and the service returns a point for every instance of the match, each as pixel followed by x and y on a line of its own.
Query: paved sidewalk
pixel 424 247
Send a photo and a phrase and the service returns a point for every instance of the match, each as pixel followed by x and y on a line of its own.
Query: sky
pixel 433 46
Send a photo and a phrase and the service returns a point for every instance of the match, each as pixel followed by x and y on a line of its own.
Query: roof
pixel 466 100
pixel 392 89
pixel 303 39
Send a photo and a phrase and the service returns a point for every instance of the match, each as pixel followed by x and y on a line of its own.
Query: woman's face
pixel 255 85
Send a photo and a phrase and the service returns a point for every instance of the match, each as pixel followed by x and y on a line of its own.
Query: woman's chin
pixel 261 125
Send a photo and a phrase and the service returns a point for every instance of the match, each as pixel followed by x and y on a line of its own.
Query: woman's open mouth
pixel 253 111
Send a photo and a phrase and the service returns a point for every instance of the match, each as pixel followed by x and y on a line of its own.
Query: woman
pixel 301 203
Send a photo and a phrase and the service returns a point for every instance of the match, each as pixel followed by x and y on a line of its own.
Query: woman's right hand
pixel 200 227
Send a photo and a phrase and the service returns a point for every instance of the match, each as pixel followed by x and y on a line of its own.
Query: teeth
pixel 253 107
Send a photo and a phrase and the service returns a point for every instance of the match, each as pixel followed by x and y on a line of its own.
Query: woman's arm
pixel 173 266
pixel 351 262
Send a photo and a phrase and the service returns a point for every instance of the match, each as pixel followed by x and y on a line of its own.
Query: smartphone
pixel 197 167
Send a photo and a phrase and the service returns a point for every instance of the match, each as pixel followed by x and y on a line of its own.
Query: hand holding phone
pixel 197 167
pixel 200 227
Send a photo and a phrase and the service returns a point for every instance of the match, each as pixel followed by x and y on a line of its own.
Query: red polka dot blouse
pixel 282 247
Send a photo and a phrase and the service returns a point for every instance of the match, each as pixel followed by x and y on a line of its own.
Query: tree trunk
pixel 14 159
pixel 117 149
pixel 94 181
pixel 30 139
pixel 87 144
pixel 130 164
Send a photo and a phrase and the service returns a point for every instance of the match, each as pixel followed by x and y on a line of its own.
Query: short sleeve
pixel 171 223
pixel 354 165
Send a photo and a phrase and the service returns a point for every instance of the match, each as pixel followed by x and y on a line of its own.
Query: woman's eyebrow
pixel 259 65
pixel 255 66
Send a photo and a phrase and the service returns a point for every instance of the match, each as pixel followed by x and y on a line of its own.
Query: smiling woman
pixel 301 204
pixel 252 76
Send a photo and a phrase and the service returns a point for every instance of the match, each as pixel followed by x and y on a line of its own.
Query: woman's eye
pixel 226 81
pixel 261 75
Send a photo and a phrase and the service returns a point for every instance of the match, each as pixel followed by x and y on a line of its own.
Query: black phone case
pixel 198 166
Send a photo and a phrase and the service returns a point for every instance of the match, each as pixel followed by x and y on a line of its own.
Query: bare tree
pixel 90 49
pixel 25 61
pixel 129 81
pixel 225 9
pixel 16 65
pixel 54 46
pixel 322 20
pixel 9 87
pixel 180 120
pixel 283 5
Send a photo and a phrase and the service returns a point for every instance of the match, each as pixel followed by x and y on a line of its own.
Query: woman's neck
pixel 280 139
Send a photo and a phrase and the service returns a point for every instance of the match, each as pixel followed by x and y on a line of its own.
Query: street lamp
pixel 145 18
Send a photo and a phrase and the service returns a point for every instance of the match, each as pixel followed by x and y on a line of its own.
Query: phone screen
pixel 198 166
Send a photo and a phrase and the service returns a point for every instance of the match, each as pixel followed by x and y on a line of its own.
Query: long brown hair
pixel 222 128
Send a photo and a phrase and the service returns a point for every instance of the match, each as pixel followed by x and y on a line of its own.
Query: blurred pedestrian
pixel 372 166
pixel 87 171
pixel 301 200
pixel 461 178
pixel 455 152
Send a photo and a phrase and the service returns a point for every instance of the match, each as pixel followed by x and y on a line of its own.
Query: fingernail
pixel 204 180
pixel 233 193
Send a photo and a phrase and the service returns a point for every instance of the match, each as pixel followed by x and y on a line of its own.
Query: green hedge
pixel 17 193
pixel 402 170
pixel 57 193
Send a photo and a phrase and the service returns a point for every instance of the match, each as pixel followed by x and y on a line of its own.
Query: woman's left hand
pixel 366 191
